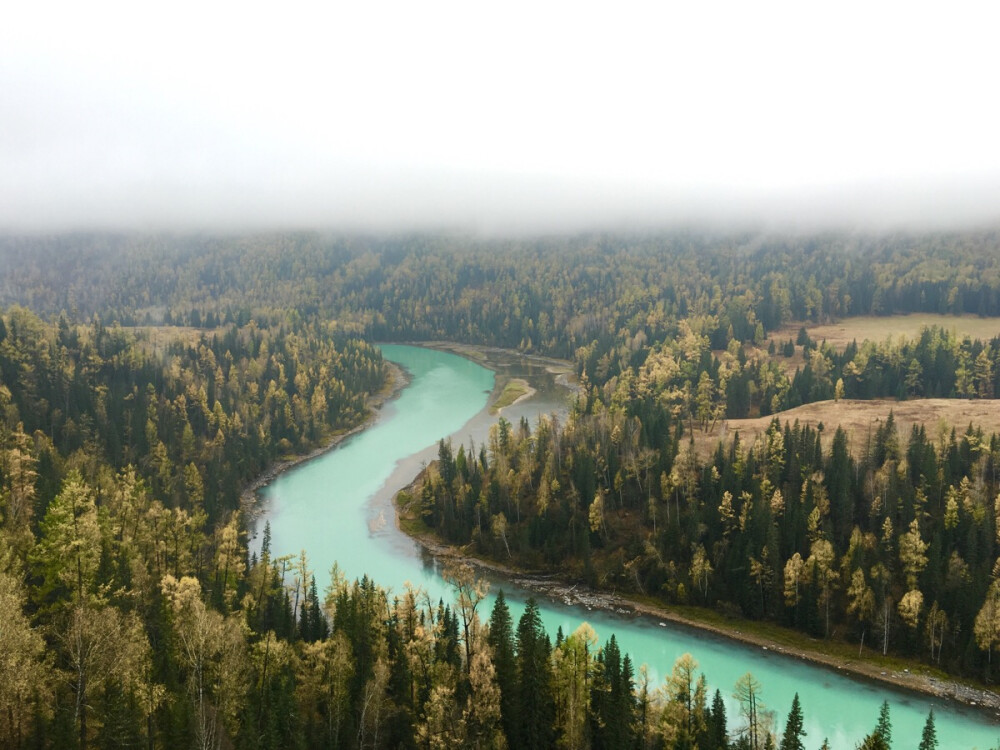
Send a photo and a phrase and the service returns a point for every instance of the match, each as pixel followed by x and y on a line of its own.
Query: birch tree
pixel 26 677
pixel 212 650
pixel 482 711
pixel 747 693
pixel 323 687
pixel 102 643
pixel 572 671
pixel 470 593
pixel 683 718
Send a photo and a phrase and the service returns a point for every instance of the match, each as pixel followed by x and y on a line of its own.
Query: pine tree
pixel 873 741
pixel 535 706
pixel 68 554
pixel 884 727
pixel 501 642
pixel 791 739
pixel 612 700
pixel 717 735
pixel 928 740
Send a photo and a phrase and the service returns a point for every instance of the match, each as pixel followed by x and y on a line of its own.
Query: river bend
pixel 338 507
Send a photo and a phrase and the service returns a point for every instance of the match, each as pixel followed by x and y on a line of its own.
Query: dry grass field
pixel 155 340
pixel 874 328
pixel 861 418
pixel 161 337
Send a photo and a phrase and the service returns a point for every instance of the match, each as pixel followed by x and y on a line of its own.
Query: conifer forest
pixel 149 382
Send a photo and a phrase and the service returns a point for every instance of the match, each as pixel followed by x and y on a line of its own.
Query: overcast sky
pixel 519 116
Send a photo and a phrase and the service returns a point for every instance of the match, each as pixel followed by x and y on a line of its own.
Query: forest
pixel 146 381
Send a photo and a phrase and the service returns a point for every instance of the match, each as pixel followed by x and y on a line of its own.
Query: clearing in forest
pixel 165 335
pixel 879 328
pixel 861 419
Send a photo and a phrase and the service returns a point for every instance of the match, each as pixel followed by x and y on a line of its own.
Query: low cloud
pixel 443 117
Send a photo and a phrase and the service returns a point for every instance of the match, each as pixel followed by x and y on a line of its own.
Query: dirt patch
pixel 860 419
pixel 876 328
pixel 159 338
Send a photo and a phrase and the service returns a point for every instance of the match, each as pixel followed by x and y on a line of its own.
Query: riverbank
pixel 396 380
pixel 841 657
pixel 514 392
pixel 562 371
pixel 493 358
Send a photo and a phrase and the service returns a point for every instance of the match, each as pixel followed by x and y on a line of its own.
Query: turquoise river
pixel 338 508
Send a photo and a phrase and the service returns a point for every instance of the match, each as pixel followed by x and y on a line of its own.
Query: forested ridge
pixel 894 549
pixel 551 295
pixel 123 454
pixel 146 380
pixel 222 405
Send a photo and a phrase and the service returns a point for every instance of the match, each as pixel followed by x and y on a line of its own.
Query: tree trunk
pixel 81 709
pixel 827 593
pixel 885 627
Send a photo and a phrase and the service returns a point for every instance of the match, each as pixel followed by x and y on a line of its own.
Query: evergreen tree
pixel 623 698
pixel 838 482
pixel 120 718
pixel 501 642
pixel 874 741
pixel 884 727
pixel 535 705
pixel 612 699
pixel 717 734
pixel 792 737
pixel 928 740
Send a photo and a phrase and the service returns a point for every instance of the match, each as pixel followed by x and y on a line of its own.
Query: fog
pixel 520 118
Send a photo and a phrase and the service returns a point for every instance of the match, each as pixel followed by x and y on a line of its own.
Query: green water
pixel 338 509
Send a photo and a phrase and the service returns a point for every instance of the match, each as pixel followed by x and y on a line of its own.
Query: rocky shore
pixel 572 593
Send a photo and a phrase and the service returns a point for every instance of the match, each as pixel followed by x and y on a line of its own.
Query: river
pixel 338 508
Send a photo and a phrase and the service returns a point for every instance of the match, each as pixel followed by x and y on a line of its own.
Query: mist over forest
pixel 149 379
pixel 756 245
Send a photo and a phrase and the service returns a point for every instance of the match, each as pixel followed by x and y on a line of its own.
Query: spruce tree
pixel 717 736
pixel 603 694
pixel 928 740
pixel 121 718
pixel 612 699
pixel 624 700
pixel 791 739
pixel 535 705
pixel 884 727
pixel 501 642
pixel 873 741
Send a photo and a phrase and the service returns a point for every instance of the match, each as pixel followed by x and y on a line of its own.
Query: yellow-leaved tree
pixel 102 644
pixel 69 550
pixel 212 649
pixel 26 676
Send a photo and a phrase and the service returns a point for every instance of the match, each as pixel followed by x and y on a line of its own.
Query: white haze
pixel 497 117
